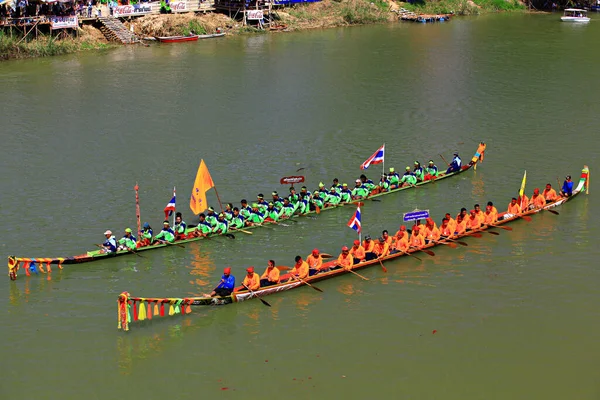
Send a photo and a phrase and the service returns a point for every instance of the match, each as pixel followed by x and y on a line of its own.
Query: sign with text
pixel 179 6
pixel 253 15
pixel 64 22
pixel 416 215
pixel 122 11
pixel 290 180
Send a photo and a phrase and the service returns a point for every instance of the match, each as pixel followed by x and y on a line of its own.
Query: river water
pixel 510 316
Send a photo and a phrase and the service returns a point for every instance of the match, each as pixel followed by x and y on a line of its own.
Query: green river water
pixel 515 316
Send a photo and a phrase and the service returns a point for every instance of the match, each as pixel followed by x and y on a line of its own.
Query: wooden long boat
pixel 129 305
pixel 43 264
pixel 177 39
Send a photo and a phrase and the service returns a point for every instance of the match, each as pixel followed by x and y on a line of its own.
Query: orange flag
pixel 202 184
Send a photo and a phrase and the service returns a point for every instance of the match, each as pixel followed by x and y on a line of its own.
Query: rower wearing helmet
pixel 146 235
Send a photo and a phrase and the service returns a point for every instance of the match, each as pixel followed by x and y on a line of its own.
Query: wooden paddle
pixel 456 241
pixel 306 283
pixel 384 268
pixel 552 211
pixel 429 252
pixel 506 228
pixel 257 296
pixel 282 268
pixel 326 255
pixel 317 209
pixel 409 254
pixel 491 233
pixel 230 236
pixel 453 245
pixel 357 274
pixel 243 231
pixel 171 244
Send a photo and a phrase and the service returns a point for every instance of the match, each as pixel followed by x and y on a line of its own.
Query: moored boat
pixel 210 36
pixel 43 264
pixel 177 39
pixel 575 15
pixel 129 305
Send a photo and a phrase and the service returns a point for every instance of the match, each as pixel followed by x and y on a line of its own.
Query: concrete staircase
pixel 114 30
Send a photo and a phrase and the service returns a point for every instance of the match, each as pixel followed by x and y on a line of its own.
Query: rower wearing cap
pixel 431 171
pixel 277 201
pixel 211 217
pixel 272 213
pixel 110 244
pixel 431 232
pixel 357 252
pixel 128 241
pixel 333 197
pixel 322 188
pixel 251 280
pixel 300 269
pixel 401 241
pixel 416 238
pixel 473 221
pixel 146 235
pixel 537 200
pixel 445 229
pixel 455 164
pixel 401 229
pixel 369 245
pixel 226 285
pixel 262 204
pixel 418 171
pixel 345 260
pixel 314 261
pixel 386 237
pixel 514 207
pixel 166 234
pixel 245 209
pixel 345 194
pixel 409 178
pixel 567 187
pixel 255 217
pixel 305 192
pixel 451 222
pixel 318 200
pixel 359 191
pixel 222 225
pixel 270 276
pixel 180 226
pixel 204 228
pixel 549 194
pixel 237 221
pixel 393 177
pixel 382 248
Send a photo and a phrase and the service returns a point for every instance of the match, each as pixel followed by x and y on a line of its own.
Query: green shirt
pixel 166 236
pixel 127 241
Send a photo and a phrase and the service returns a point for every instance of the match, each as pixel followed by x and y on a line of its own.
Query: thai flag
pixel 376 158
pixel 354 222
pixel 170 208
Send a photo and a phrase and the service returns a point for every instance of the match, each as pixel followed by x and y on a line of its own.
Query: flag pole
pixel 137 209
pixel 383 163
pixel 174 211
pixel 218 198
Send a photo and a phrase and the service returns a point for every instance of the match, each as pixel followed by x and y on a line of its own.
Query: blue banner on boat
pixel 415 215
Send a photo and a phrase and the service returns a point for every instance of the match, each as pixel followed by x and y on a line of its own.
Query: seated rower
pixel 228 212
pixel 418 171
pixel 225 286
pixel 333 198
pixel 345 194
pixel 204 228
pixel 318 200
pixel 277 201
pixel 315 262
pixel 345 260
pixel 110 244
pixel 271 213
pixel 245 209
pixel 357 252
pixel 369 246
pixel 489 217
pixel 549 194
pixel 237 221
pixel 567 187
pixel 445 229
pixel 523 202
pixel 536 200
pixel 165 235
pixel 222 226
pixel 270 276
pixel 455 164
pixel 300 270
pixel 494 209
pixel 128 241
pixel 381 249
pixel 461 224
pixel 255 217
pixel 367 183
pixel 287 210
pixel 431 232
pixel 473 222
pixel 180 227
pixel 478 212
pixel 463 213
pixel 386 237
pixel 293 196
pixel 336 184
pixel 211 217
pixel 401 229
pixel 431 172
pixel 252 280
pixel 359 191
pixel 416 238
pixel 451 222
pixel 384 183
pixel 146 235
pixel 514 207
pixel 262 203
pixel 401 243
pixel 393 178
pixel 409 178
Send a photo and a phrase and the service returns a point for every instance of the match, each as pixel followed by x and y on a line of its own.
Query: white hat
pixel 358 181
pixel 108 232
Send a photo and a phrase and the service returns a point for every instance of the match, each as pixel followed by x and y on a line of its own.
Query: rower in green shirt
pixel 366 182
pixel 408 179
pixel 166 235
pixel 345 194
pixel 277 201
pixel 418 171
pixel 255 217
pixel 432 169
pixel 228 212
pixel 359 191
pixel 394 178
pixel 128 241
pixel 222 225
pixel 271 213
pixel 237 221
pixel 180 226
pixel 294 197
pixel 245 209
pixel 333 198
pixel 336 184
pixel 384 183
pixel 317 199
pixel 287 210
pixel 211 217
pixel 203 228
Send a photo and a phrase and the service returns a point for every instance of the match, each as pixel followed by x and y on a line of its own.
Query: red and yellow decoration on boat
pixel 31 265
pixel 140 309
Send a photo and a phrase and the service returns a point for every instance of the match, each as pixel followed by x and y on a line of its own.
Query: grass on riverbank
pixel 330 13
pixel 463 7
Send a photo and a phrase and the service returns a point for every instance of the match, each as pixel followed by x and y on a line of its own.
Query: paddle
pixel 453 245
pixel 317 209
pixel 326 255
pixel 457 241
pixel 552 211
pixel 491 233
pixel 444 159
pixel 428 252
pixel 282 268
pixel 230 236
pixel 384 268
pixel 243 231
pixel 256 295
pixel 306 283
pixel 171 244
pixel 506 228
pixel 357 274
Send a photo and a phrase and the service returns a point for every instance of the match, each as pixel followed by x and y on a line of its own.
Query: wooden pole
pixel 137 210
pixel 218 198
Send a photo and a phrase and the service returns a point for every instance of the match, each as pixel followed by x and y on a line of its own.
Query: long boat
pixel 177 39
pixel 129 305
pixel 43 264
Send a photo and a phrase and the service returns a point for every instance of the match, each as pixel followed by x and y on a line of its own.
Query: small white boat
pixel 575 15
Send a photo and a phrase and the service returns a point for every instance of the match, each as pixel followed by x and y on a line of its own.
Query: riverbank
pixel 324 14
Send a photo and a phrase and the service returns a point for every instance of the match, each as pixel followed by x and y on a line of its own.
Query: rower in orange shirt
pixel 461 225
pixel 315 261
pixel 537 200
pixel 514 207
pixel 494 209
pixel 451 222
pixel 369 245
pixel 489 217
pixel 401 229
pixel 549 194
pixel 479 212
pixel 300 269
pixel 463 213
pixel 345 260
pixel 416 238
pixel 252 280
pixel 401 243
pixel 445 229
pixel 420 225
pixel 429 221
pixel 270 276
pixel 473 221
pixel 386 237
pixel 432 233
pixel 382 249
pixel 357 252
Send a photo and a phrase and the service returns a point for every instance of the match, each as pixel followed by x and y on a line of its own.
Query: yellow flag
pixel 523 185
pixel 202 184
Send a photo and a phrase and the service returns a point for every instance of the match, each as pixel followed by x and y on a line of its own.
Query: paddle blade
pixel 492 233
pixel 431 253
pixel 553 212
pixel 282 268
pixel 462 243
pixel 318 209
pixel 453 245
pixel 326 255
pixel 477 235
pixel 526 218
pixel 264 302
